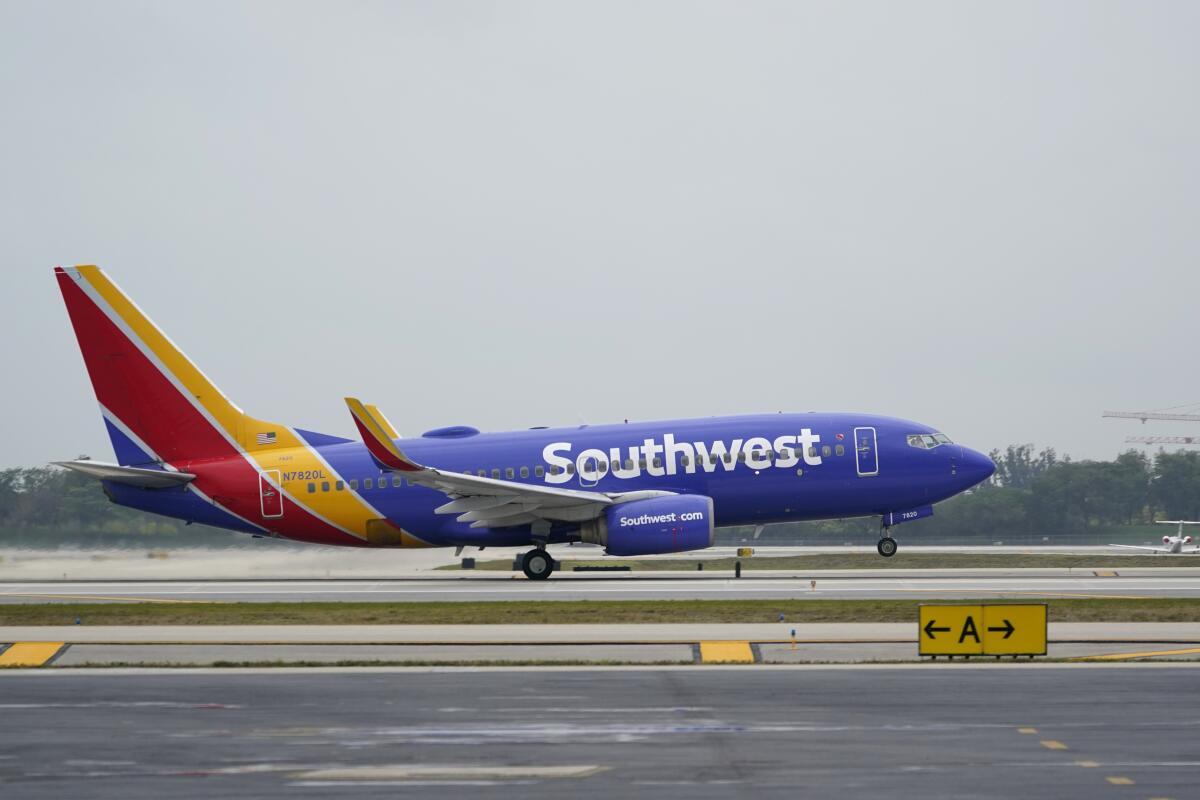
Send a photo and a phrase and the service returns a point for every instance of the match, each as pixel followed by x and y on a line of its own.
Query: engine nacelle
pixel 656 525
pixel 1187 540
pixel 1166 540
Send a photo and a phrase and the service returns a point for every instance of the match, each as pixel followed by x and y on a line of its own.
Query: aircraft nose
pixel 976 467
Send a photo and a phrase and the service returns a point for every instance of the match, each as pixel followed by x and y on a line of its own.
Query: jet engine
pixel 657 525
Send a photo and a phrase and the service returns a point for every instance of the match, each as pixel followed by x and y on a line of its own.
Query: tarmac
pixel 929 731
pixel 202 645
pixel 757 584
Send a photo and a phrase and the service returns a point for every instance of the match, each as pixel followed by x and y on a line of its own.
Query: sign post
pixel 999 629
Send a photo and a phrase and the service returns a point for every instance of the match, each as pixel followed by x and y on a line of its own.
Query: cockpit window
pixel 927 441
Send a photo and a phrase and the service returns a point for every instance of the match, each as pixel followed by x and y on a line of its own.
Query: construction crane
pixel 1162 440
pixel 1145 415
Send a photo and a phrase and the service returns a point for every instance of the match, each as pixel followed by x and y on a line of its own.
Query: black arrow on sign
pixel 930 630
pixel 1008 629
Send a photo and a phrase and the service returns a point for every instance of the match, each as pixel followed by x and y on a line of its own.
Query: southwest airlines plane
pixel 184 450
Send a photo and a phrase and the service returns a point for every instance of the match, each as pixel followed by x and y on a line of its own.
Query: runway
pixel 705 732
pixel 923 584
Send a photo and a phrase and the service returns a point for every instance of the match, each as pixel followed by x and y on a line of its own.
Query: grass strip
pixel 567 612
pixel 902 560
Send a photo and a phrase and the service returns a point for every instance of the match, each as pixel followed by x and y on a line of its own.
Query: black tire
pixel 537 565
pixel 886 547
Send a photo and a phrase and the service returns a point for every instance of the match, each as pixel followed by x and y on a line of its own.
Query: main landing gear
pixel 537 565
pixel 887 545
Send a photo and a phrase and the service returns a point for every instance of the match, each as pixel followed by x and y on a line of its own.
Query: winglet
pixel 377 434
pixel 382 420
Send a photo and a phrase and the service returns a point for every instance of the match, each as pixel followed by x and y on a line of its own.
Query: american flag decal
pixel 265 438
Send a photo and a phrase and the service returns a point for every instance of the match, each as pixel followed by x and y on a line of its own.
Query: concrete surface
pixel 715 732
pixel 487 586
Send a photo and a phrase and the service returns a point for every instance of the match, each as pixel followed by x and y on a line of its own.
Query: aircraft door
pixel 270 495
pixel 866 455
pixel 590 471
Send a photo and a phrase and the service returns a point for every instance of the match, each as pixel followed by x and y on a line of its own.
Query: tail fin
pixel 157 404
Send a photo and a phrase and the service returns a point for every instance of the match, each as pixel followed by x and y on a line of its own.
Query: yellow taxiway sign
pixel 999 629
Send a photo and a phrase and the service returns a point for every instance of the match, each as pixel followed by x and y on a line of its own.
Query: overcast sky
pixel 985 217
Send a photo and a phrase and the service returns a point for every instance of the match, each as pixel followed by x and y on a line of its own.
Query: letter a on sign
pixel 968 629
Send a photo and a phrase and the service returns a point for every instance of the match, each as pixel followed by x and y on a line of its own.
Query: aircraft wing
pixel 1141 547
pixel 484 502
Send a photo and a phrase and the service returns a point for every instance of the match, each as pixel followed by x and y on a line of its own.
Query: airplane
pixel 1174 544
pixel 184 450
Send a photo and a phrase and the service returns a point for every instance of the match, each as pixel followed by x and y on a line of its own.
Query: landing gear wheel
pixel 886 547
pixel 537 565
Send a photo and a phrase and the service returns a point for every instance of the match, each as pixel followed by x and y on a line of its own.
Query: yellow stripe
pixel 1146 654
pixel 1026 730
pixel 1087 764
pixel 29 654
pixel 726 653
pixel 1117 780
pixel 1053 744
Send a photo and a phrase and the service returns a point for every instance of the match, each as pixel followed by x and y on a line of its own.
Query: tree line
pixel 1034 493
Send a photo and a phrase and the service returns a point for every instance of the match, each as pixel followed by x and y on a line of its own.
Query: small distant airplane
pixel 1174 544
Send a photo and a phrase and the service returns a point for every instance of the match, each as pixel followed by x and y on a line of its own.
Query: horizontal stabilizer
pixel 131 476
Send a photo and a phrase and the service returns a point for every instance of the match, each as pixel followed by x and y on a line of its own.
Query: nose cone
pixel 976 467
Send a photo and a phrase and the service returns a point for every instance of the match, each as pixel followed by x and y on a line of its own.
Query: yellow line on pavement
pixel 1146 654
pixel 1026 730
pixel 1038 594
pixel 1117 780
pixel 1053 744
pixel 113 597
pixel 726 653
pixel 29 654
pixel 1088 764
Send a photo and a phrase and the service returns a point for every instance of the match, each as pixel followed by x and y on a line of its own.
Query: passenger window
pixel 483 473
pixel 729 458
pixel 687 461
pixel 812 452
pixel 508 473
pixel 354 484
pixel 524 472
pixel 556 470
pixel 570 469
pixel 312 487
pixel 396 481
pixel 340 485
pixel 496 474
pixel 368 483
pixel 657 462
pixel 539 471
pixel 840 450
pixel 324 486
pixel 742 457
pixel 785 453
pixel 826 451
pixel 642 463
pixel 628 464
